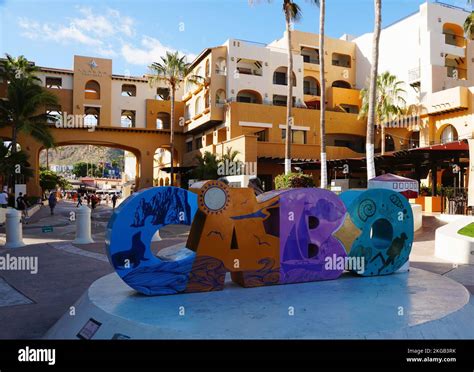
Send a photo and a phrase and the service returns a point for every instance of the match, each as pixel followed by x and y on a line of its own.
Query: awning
pixel 178 170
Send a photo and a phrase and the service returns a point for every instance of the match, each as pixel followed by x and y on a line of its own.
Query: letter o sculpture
pixel 385 221
pixel 129 235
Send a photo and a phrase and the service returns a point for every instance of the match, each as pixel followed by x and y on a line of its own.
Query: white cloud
pixel 61 34
pixel 151 50
pixel 108 34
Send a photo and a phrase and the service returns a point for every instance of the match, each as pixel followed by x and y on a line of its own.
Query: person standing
pixel 52 201
pixel 21 206
pixel 3 199
pixel 114 200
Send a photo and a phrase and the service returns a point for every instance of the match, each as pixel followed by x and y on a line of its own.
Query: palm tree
pixel 20 67
pixel 26 99
pixel 322 79
pixel 9 161
pixel 469 26
pixel 389 101
pixel 207 167
pixel 292 14
pixel 372 91
pixel 172 70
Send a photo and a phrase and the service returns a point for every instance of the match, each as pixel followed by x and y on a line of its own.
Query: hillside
pixel 69 155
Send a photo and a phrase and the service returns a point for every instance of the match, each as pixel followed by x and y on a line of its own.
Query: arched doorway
pixel 448 134
pixel 311 86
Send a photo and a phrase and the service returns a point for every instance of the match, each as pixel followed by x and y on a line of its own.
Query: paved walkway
pixel 31 303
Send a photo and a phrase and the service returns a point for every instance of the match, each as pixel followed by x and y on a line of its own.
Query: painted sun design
pixel 214 198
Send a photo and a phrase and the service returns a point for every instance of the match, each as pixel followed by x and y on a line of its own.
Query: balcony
pixel 311 91
pixel 455 40
pixel 249 71
pixel 456 73
pixel 454 99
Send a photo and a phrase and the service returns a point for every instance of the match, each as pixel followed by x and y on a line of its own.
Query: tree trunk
pixel 173 88
pixel 12 179
pixel 382 134
pixel 324 170
pixel 289 101
pixel 372 91
pixel 14 139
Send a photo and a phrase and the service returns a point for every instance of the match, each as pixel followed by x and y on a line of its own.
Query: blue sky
pixel 135 32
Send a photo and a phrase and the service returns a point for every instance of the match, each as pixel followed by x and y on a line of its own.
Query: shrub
pixel 293 180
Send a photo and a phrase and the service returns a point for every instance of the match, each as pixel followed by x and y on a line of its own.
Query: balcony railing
pixel 455 40
pixel 456 73
pixel 312 91
pixel 308 59
pixel 249 71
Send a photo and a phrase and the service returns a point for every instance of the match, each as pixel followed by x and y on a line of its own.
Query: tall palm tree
pixel 389 101
pixel 469 26
pixel 372 91
pixel 172 70
pixel 322 79
pixel 23 110
pixel 292 14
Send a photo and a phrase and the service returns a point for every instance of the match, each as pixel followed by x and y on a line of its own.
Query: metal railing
pixel 455 40
pixel 454 201
pixel 313 91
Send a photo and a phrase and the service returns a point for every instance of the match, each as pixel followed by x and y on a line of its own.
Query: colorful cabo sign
pixel 281 237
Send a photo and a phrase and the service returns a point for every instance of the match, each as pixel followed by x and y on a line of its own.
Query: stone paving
pixel 31 303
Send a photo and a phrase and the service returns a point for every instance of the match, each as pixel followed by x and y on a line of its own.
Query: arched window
pixel 206 99
pixel 449 134
pixel 341 84
pixel 92 90
pixel 163 120
pixel 220 97
pixel 127 120
pixel 454 35
pixel 220 66
pixel 129 90
pixel 311 86
pixel 207 68
pixel 198 73
pixel 92 116
pixel 249 96
pixel 187 112
pixel 280 76
pixel 198 106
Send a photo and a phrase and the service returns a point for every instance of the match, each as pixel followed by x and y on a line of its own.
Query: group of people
pixel 93 199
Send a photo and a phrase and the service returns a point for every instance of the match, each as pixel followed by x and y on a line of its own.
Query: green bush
pixel 293 180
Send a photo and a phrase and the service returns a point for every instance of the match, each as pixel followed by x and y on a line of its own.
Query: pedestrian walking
pixel 114 200
pixel 79 201
pixel 52 201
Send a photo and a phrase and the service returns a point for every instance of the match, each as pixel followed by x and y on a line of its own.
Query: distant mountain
pixel 69 155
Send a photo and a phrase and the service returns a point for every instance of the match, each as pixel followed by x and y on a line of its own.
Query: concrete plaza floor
pixel 31 303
